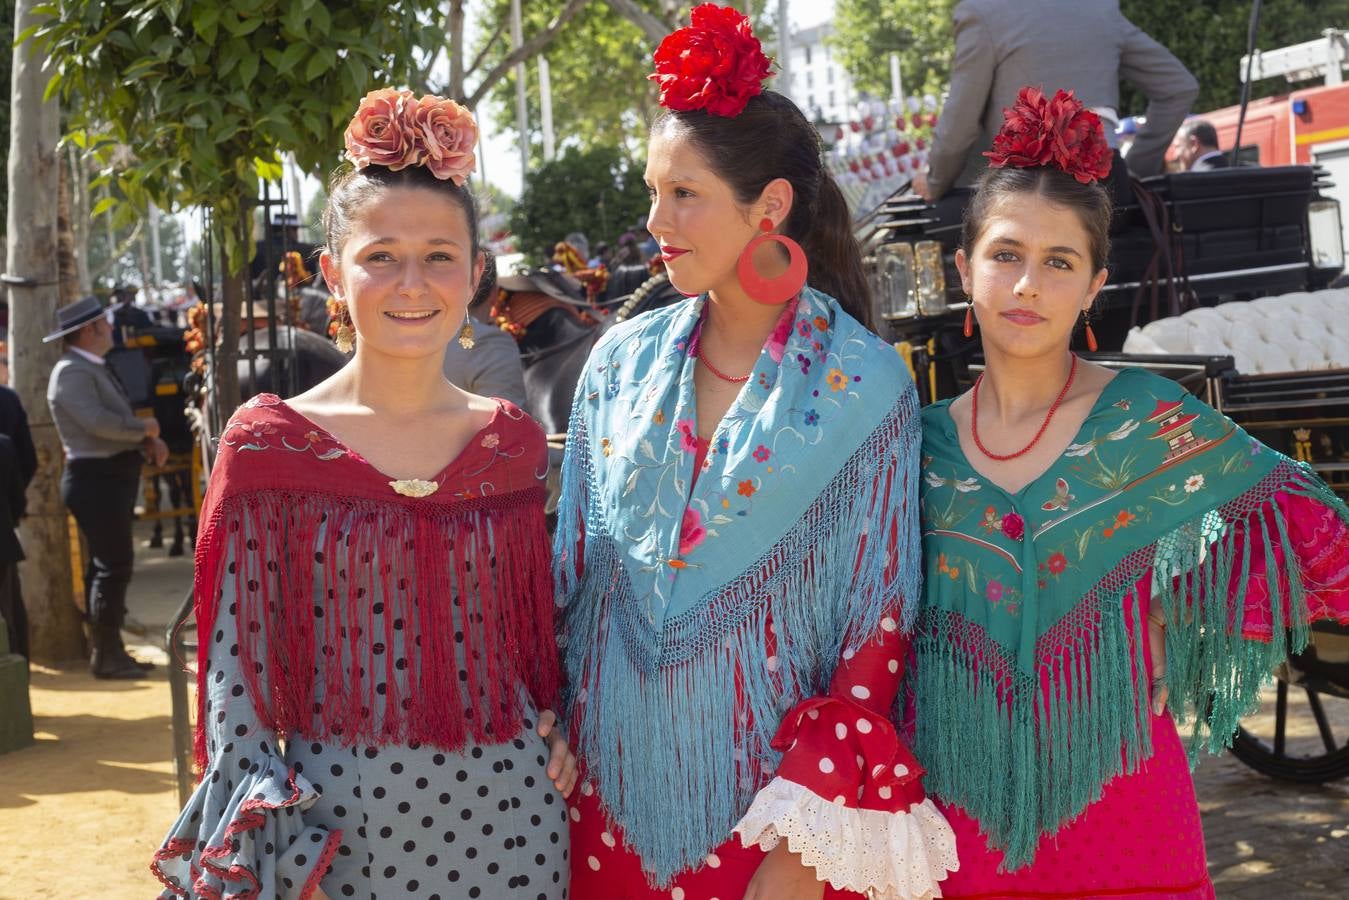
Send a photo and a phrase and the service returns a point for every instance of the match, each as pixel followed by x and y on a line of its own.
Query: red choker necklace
pixel 974 417
pixel 733 379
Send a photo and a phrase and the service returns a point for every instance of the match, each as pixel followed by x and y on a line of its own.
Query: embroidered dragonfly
pixel 1118 434
pixel 962 485
pixel 1061 497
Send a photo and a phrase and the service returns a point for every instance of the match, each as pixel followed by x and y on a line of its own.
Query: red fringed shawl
pixel 355 607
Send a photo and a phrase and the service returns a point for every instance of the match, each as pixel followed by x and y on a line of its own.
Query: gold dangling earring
pixel 466 332
pixel 345 339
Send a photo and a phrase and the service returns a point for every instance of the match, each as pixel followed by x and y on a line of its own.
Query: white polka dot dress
pixel 367 817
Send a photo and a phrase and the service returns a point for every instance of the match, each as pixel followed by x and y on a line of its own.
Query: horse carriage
pixel 1220 280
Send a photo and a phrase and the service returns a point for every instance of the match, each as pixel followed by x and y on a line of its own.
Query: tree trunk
pixel 455 26
pixel 79 217
pixel 226 374
pixel 69 277
pixel 31 253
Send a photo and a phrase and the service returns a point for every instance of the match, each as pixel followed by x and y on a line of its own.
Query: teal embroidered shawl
pixel 1030 694
pixel 803 516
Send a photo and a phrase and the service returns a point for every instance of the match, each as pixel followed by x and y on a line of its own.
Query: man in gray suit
pixel 104 443
pixel 491 367
pixel 1085 46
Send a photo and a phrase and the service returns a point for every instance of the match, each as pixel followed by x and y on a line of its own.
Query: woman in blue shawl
pixel 737 547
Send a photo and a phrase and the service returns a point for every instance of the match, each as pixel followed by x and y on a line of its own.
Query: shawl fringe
pixel 1037 750
pixel 308 572
pixel 676 724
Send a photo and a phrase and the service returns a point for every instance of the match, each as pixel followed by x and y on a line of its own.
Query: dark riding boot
pixel 121 651
pixel 110 659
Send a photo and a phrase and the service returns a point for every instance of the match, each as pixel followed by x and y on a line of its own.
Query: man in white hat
pixel 104 443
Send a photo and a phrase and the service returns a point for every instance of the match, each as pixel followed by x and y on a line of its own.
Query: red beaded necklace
pixel 974 417
pixel 733 379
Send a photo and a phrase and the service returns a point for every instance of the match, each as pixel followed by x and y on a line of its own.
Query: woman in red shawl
pixel 373 588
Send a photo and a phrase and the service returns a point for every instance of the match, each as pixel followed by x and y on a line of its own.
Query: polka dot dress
pixel 419 822
pixel 397 821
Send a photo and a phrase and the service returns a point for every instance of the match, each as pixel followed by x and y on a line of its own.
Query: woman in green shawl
pixel 1095 542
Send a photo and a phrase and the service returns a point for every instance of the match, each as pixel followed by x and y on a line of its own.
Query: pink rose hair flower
pixel 394 129
pixel 449 134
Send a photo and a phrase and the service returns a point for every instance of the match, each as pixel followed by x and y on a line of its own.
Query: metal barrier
pixel 184 763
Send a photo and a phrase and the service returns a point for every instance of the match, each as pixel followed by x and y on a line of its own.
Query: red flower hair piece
pixel 1058 132
pixel 716 63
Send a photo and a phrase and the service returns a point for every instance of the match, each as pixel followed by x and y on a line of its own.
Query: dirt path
pixel 83 809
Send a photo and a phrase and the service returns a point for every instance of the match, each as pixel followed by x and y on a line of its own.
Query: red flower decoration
pixel 1057 132
pixel 1013 526
pixel 1058 563
pixel 715 64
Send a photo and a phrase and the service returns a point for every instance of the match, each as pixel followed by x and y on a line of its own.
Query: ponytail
pixel 835 258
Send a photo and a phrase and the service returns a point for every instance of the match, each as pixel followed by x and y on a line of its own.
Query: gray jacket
pixel 92 414
pixel 1085 46
pixel 491 369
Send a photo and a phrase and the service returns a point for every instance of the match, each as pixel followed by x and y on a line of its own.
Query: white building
pixel 819 83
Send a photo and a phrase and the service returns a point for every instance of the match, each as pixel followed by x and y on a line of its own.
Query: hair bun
pixel 1058 132
pixel 714 64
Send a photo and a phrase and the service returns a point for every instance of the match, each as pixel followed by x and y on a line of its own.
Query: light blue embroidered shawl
pixel 803 516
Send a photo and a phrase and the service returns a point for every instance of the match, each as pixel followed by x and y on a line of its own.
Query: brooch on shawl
pixel 414 487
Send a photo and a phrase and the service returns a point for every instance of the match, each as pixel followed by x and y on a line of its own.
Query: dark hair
pixel 350 188
pixel 770 139
pixel 1202 131
pixel 1091 202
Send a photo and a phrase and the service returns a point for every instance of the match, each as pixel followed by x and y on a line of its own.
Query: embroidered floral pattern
pixel 692 532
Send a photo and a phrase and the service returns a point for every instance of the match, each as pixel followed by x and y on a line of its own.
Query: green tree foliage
pixel 598 70
pixel 866 32
pixel 598 192
pixel 1209 36
pixel 115 255
pixel 205 94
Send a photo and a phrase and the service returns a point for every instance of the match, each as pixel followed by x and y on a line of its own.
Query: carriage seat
pixel 1295 332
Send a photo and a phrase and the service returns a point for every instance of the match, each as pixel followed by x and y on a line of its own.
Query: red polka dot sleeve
pixel 848 794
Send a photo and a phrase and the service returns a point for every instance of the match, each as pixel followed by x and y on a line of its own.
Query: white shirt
pixel 92 357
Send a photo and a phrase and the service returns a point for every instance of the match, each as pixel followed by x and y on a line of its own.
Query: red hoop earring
pixel 772 291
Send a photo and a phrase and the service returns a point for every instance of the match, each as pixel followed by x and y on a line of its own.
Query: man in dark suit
pixel 1085 46
pixel 1196 147
pixel 104 443
pixel 18 462
pixel 126 315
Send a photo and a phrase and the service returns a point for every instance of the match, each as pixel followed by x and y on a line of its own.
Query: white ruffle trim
pixel 886 856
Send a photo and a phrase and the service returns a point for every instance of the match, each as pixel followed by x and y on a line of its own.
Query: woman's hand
pixel 1157 647
pixel 561 762
pixel 782 876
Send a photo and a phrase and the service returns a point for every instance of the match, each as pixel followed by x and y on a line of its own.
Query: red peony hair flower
pixel 1057 132
pixel 394 129
pixel 716 63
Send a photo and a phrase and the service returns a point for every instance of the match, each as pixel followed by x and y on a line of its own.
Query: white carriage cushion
pixel 1293 332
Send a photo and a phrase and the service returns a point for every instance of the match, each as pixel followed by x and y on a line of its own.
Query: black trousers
pixel 101 495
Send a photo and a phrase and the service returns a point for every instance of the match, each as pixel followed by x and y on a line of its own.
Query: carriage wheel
pixel 1305 741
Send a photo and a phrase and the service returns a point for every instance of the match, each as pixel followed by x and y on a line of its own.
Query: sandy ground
pixel 82 811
